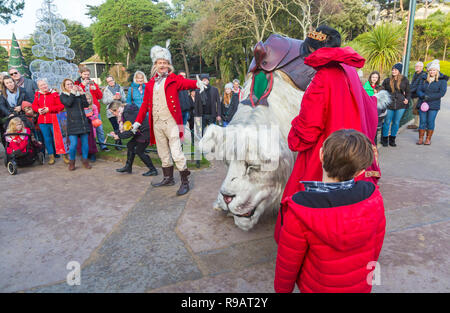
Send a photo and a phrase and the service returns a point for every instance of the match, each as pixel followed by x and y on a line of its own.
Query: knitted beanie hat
pixel 229 85
pixel 434 65
pixel 25 104
pixel 398 66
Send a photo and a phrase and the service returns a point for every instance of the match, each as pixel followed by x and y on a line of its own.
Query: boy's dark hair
pixel 345 153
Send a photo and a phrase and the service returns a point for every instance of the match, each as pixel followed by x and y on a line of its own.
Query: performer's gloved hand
pixel 135 127
pixel 200 85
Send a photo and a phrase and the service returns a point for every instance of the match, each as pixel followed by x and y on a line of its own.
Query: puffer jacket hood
pixel 326 55
pixel 343 228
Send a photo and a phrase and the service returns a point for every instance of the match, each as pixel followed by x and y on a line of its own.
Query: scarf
pixel 318 186
pixel 12 97
pixel 159 77
pixel 114 89
pixel 21 81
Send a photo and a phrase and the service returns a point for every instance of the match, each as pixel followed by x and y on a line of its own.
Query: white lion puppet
pixel 254 144
pixel 254 147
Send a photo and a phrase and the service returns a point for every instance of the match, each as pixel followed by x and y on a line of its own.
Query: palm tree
pixel 382 46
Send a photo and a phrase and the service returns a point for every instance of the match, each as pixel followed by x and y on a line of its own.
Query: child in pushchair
pixel 21 146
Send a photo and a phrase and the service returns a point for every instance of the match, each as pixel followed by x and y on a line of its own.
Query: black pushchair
pixel 32 154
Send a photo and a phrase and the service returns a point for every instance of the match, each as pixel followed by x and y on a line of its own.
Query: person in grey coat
pixel 112 93
pixel 28 84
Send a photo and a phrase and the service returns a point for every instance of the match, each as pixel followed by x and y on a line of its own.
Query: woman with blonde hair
pixel 74 100
pixel 430 93
pixel 137 88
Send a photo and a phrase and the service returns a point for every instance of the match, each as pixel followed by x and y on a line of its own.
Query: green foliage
pixel 3 59
pixel 9 9
pixel 382 46
pixel 431 37
pixel 120 26
pixel 352 19
pixel 81 41
pixel 142 63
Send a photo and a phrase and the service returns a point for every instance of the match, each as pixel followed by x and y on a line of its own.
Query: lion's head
pixel 254 147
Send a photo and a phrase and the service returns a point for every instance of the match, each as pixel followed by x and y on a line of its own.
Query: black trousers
pixel 138 148
pixel 115 126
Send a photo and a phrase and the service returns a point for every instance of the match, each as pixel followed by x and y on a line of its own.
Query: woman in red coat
pixel 335 99
pixel 47 104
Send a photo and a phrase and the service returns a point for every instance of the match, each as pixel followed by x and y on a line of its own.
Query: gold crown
pixel 317 35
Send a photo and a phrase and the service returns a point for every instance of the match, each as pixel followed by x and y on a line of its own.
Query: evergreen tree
pixel 16 58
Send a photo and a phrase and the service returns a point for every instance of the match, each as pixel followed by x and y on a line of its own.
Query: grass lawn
pixel 121 156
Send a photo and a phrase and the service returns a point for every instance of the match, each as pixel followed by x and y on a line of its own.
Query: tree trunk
pixel 216 65
pixel 200 62
pixel 186 67
pixel 401 7
pixel 426 52
pixel 445 49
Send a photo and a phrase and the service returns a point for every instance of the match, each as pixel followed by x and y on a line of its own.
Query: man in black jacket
pixel 183 96
pixel 207 104
pixel 418 78
pixel 28 84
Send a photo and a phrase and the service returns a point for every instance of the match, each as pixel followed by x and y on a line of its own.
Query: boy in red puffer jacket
pixel 332 231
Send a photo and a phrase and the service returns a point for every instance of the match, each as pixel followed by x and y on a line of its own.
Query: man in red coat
pixel 330 103
pixel 85 82
pixel 166 122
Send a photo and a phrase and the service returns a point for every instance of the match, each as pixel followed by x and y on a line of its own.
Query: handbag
pixel 424 107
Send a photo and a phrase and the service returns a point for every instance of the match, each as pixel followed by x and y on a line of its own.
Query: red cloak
pixel 332 101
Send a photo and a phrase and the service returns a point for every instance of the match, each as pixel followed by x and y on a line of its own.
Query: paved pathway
pixel 130 239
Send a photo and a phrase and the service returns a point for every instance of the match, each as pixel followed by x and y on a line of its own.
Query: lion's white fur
pixel 252 185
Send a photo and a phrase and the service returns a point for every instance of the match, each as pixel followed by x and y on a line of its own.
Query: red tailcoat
pixel 328 105
pixel 172 85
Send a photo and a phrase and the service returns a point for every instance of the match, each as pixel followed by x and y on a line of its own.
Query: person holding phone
pixel 113 92
pixel 90 87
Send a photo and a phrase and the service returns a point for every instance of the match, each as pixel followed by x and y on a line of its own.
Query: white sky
pixel 73 10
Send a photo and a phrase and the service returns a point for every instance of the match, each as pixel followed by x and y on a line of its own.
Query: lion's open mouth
pixel 247 215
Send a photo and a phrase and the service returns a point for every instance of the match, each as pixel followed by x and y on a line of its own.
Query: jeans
pixel 394 117
pixel 47 132
pixel 84 146
pixel 185 115
pixel 100 135
pixel 427 119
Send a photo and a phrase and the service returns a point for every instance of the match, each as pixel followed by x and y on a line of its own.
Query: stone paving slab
pixel 50 216
pixel 204 228
pixel 142 253
pixel 416 260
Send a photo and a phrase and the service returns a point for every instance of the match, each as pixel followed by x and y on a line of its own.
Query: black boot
pixel 118 142
pixel 148 162
pixel 392 141
pixel 129 165
pixel 384 141
pixel 168 178
pixel 184 188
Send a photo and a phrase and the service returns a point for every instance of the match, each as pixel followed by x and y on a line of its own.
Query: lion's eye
pixel 252 168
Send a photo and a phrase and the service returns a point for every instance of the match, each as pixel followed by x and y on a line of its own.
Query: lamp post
pixel 407 55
